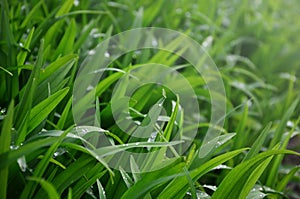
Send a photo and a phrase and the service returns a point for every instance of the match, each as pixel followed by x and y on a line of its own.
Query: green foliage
pixel 255 45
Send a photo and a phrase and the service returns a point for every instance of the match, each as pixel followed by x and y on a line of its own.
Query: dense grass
pixel 255 45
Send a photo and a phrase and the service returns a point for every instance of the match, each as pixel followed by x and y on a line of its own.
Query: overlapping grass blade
pixel 236 183
pixel 25 105
pixel 43 109
pixel 179 186
pixel 30 188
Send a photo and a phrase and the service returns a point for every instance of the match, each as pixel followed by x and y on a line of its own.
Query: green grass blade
pixel 52 30
pixel 63 118
pixel 5 140
pixel 134 170
pixel 65 8
pixel 24 107
pixel 234 182
pixel 239 138
pixel 70 193
pixel 274 167
pixel 101 190
pixel 258 143
pixel 29 17
pixel 63 180
pixel 22 55
pixel 67 42
pixel 56 65
pixel 286 179
pixel 26 149
pixel 48 187
pixel 280 130
pixel 153 179
pixel 170 125
pixel 252 179
pixel 179 186
pixel 85 33
pixel 43 109
pixel 126 178
pixel 30 188
pixel 81 187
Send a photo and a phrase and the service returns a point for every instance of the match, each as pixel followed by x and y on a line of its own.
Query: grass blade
pixel 258 143
pixel 24 107
pixel 43 109
pixel 5 140
pixel 179 186
pixel 48 187
pixel 286 179
pixel 30 188
pixel 235 181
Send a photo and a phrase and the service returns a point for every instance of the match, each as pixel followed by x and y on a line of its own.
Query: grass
pixel 46 152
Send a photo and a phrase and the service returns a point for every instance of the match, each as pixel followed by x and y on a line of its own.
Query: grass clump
pixel 44 152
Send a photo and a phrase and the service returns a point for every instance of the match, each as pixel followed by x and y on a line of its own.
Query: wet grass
pixel 43 152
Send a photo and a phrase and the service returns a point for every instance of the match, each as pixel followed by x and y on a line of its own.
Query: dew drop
pixel 89 88
pixel 76 3
pixel 290 124
pixel 23 7
pixel 22 163
pixel 13 147
pixel 91 52
pixel 154 42
pixel 178 10
pixel 106 54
